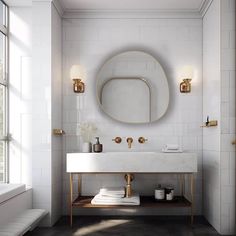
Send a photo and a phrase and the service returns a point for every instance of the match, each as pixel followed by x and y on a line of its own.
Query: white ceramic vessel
pixel 131 162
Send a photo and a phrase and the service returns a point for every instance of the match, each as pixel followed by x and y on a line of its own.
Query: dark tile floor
pixel 127 226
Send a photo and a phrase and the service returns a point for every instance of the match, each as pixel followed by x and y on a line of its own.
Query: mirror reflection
pixel 132 88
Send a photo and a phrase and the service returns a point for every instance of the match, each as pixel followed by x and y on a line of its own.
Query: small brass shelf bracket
pixel 58 132
pixel 211 123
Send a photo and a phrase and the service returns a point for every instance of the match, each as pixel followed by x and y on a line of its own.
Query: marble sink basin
pixel 131 162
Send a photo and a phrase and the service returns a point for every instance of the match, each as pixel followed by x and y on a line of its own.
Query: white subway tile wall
pixel 47 110
pixel 219 103
pixel 175 43
pixel 56 89
pixel 227 169
pixel 41 110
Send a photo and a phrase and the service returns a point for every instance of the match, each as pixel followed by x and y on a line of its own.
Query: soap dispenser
pixel 97 147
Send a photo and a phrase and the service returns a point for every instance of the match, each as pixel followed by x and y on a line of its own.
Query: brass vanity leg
pixel 192 197
pixel 79 184
pixel 128 190
pixel 182 185
pixel 71 199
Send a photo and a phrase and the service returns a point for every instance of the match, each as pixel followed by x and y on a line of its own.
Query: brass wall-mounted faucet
pixel 129 141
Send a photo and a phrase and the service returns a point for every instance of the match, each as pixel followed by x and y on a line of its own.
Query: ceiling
pixel 18 3
pixel 169 5
pixel 69 8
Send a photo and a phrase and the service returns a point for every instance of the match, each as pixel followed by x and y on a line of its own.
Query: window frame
pixel 4 29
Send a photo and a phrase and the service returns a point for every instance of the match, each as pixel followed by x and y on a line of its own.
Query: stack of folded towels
pixel 114 196
pixel 172 148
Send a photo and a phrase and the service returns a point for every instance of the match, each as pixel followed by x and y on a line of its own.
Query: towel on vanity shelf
pixel 101 200
pixel 172 148
pixel 112 192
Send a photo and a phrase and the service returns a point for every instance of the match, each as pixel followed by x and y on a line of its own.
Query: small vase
pixel 87 147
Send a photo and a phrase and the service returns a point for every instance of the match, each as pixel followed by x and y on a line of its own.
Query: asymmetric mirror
pixel 132 87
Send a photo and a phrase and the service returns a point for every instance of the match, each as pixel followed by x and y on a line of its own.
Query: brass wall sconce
pixel 77 74
pixel 187 75
pixel 185 86
pixel 78 86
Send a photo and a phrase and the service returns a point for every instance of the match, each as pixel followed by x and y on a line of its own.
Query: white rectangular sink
pixel 131 162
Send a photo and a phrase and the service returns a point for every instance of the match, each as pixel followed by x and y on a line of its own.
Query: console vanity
pixel 183 164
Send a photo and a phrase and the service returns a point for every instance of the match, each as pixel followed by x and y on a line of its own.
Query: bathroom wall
pixel 41 141
pixel 20 95
pixel 211 107
pixel 175 43
pixel 56 101
pixel 47 110
pixel 228 121
pixel 219 104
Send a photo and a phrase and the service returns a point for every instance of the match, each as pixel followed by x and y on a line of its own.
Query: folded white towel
pixel 173 151
pixel 112 191
pixel 172 147
pixel 101 200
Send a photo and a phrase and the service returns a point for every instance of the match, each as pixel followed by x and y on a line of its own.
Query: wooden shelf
pixel 145 201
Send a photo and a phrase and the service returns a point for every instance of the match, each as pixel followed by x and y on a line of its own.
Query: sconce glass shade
pixel 77 74
pixel 187 72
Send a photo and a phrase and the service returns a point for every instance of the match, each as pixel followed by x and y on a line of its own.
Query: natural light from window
pixel 3 91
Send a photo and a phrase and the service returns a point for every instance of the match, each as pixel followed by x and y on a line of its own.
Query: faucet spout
pixel 129 141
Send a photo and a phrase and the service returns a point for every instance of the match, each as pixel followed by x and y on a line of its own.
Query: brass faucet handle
pixel 117 139
pixel 142 140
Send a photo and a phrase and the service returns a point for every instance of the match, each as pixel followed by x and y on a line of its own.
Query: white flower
pixel 87 131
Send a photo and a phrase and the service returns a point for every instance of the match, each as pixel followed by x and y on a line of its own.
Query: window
pixel 3 91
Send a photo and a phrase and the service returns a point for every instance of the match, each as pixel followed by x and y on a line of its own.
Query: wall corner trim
pixel 204 7
pixel 132 14
pixel 60 9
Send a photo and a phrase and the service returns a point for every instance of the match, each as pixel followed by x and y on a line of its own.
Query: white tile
pixel 225 225
pixel 227 194
pixel 42 195
pixel 232 160
pixel 232 123
pixel 228 59
pixel 81 34
pixel 226 142
pixel 232 39
pixel 225 125
pixel 225 177
pixel 225 109
pixel 228 21
pixel 225 160
pixel 225 79
pixel 225 94
pixel 225 41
